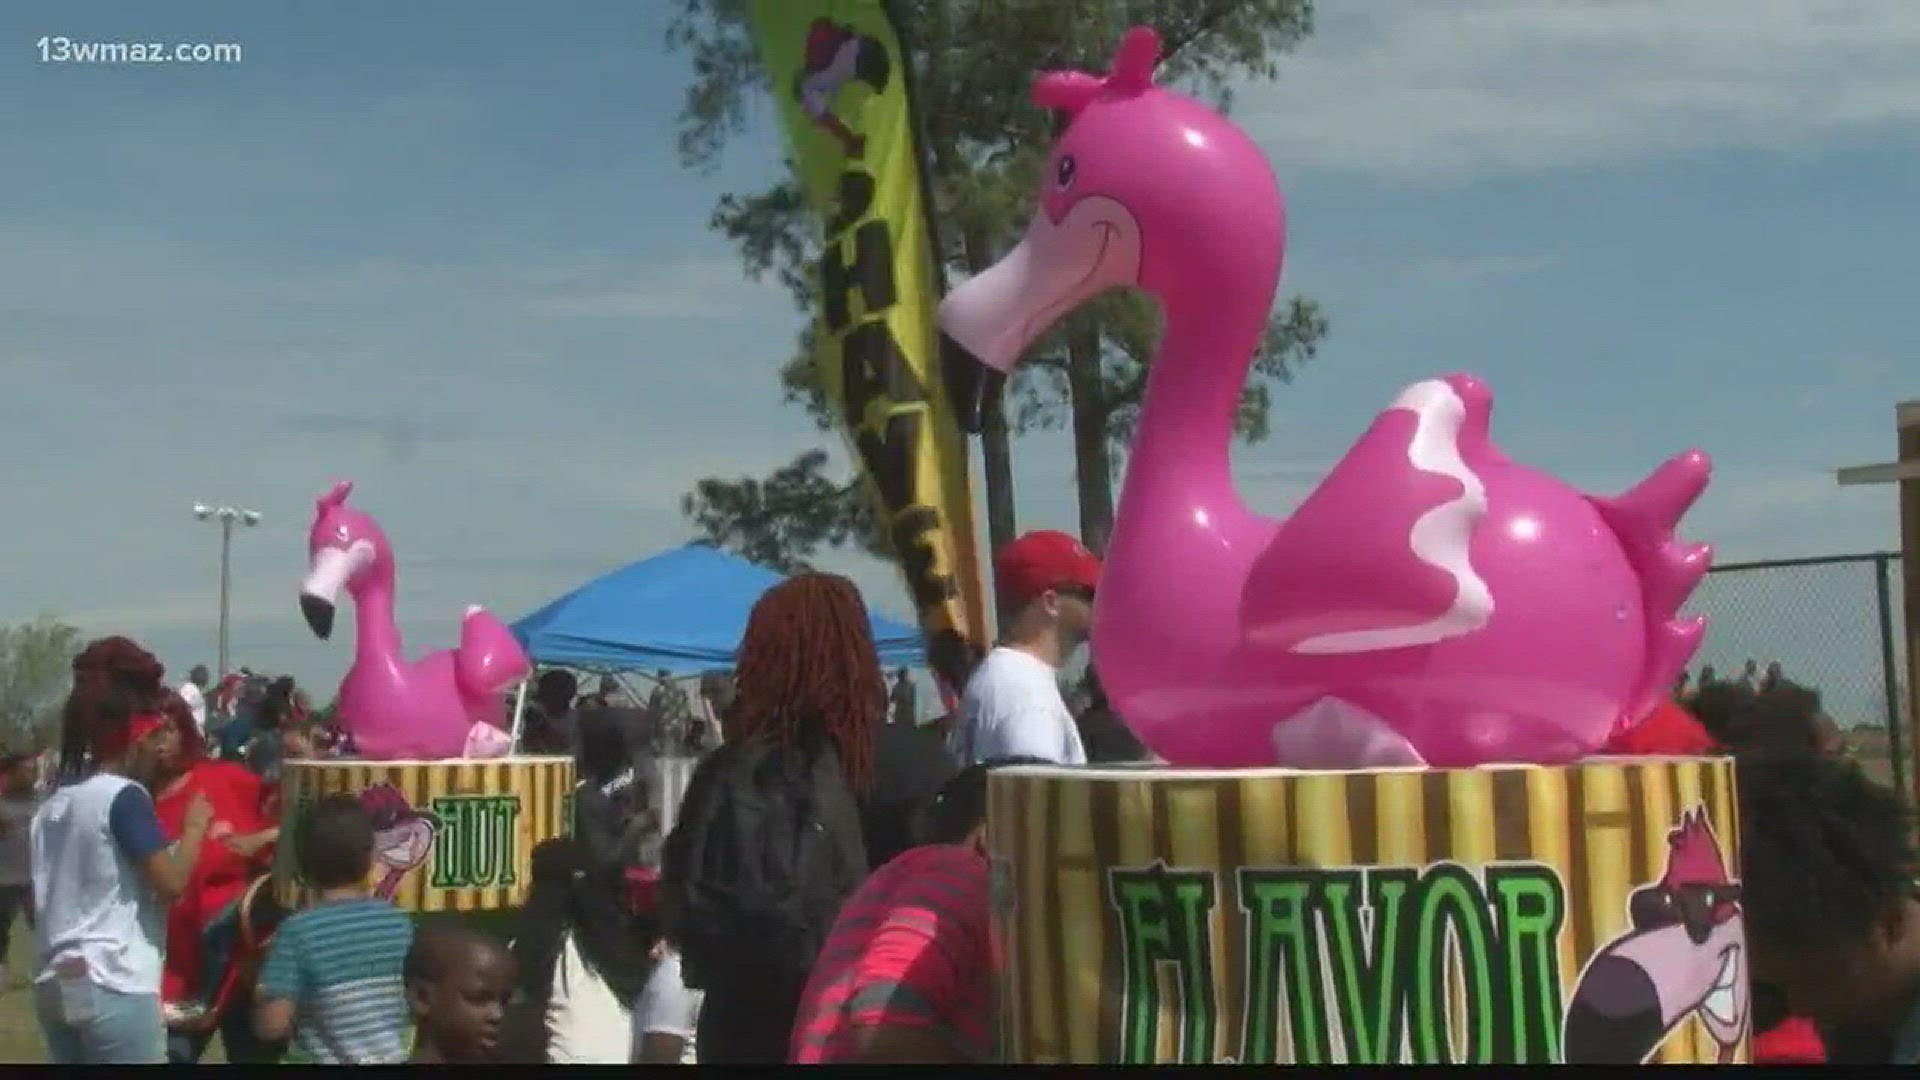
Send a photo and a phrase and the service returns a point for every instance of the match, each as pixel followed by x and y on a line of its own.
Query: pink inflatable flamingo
pixel 1432 603
pixel 443 705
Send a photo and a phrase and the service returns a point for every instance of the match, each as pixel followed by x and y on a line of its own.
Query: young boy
pixel 333 977
pixel 1829 899
pixel 458 985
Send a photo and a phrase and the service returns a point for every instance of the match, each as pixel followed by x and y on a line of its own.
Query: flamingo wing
pixel 489 658
pixel 1378 557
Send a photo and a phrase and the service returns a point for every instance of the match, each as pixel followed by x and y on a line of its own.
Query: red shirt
pixel 1668 729
pixel 911 948
pixel 1793 1041
pixel 221 874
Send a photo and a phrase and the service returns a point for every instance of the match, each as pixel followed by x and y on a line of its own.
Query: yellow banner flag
pixel 839 77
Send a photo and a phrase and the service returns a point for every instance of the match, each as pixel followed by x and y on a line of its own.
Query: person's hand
pixel 250 844
pixel 199 815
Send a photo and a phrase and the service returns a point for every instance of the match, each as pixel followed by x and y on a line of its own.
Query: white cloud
pixel 1431 89
pixel 185 609
pixel 508 454
pixel 1843 379
pixel 1477 269
pixel 706 290
pixel 1793 515
pixel 60 270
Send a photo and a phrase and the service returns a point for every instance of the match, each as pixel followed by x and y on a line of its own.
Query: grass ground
pixel 20 1041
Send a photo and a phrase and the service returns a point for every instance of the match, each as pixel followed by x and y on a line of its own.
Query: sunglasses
pixel 1698 908
pixel 1075 592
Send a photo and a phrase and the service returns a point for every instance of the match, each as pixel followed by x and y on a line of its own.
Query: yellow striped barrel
pixel 1498 915
pixel 451 836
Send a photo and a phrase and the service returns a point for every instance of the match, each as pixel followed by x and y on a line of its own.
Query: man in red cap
pixel 1012 705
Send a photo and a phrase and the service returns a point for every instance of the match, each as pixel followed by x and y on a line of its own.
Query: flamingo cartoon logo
pixel 402 836
pixel 836 56
pixel 1684 956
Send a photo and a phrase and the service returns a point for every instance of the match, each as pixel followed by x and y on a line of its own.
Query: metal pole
pixel 1890 667
pixel 227 516
pixel 520 709
pixel 1907 419
pixel 226 585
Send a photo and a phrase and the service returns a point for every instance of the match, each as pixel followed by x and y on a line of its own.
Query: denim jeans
pixel 87 1024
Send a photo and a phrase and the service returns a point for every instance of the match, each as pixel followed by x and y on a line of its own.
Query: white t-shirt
pixel 667 1007
pixel 91 901
pixel 196 701
pixel 586 1022
pixel 1012 708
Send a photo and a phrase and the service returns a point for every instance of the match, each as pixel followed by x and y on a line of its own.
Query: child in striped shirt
pixel 333 977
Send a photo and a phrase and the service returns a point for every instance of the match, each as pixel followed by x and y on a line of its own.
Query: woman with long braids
pixel 103 869
pixel 808 672
pixel 768 844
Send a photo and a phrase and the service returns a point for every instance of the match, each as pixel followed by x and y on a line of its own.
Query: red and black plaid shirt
pixel 911 948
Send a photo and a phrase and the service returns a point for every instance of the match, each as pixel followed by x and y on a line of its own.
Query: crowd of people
pixel 666 723
pixel 156 830
pixel 1751 677
pixel 822 897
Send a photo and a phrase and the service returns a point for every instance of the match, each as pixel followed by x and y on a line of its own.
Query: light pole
pixel 226 516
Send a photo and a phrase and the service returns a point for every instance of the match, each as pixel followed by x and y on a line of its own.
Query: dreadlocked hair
pixel 1825 851
pixel 808 668
pixel 1784 716
pixel 113 679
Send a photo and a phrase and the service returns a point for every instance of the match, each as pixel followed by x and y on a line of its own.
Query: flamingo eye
pixel 1063 172
pixel 342 534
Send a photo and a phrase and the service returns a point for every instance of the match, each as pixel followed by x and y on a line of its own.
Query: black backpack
pixel 767 848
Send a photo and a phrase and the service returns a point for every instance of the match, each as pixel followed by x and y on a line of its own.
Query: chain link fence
pixel 1832 623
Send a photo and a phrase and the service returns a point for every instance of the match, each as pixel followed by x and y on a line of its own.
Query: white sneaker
pixel 176 1013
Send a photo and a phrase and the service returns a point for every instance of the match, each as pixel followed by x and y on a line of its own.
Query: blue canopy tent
pixel 683 610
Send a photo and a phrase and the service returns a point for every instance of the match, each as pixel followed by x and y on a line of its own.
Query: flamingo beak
pixel 319 615
pixel 991 319
pixel 332 569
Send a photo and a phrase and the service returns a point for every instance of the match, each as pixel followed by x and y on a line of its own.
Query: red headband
pixel 137 727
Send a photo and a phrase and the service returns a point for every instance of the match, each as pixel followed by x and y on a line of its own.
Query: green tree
pixel 36 661
pixel 973 62
pixel 782 521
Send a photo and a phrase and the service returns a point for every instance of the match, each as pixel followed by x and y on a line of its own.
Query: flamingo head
pixel 346 550
pixel 1143 188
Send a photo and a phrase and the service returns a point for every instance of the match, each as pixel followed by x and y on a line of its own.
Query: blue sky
pixel 446 250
